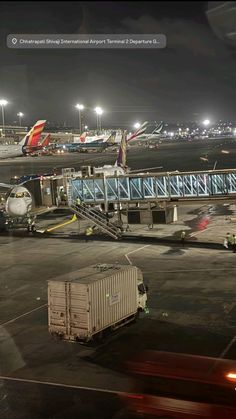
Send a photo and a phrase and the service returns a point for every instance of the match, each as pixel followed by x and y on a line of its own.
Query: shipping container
pixel 86 302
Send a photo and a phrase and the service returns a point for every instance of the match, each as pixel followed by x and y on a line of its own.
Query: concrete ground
pixel 191 301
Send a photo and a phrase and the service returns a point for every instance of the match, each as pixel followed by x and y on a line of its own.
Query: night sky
pixel 193 78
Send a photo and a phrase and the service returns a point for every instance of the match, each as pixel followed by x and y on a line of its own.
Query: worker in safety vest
pixel 78 201
pixel 31 224
pixel 228 239
pixel 183 234
pixel 63 196
pixel 88 233
pixel 234 243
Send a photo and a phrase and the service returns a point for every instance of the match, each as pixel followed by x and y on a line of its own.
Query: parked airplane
pixel 19 202
pixel 138 133
pixel 154 135
pixel 37 147
pixel 120 167
pixel 97 144
pixel 102 138
pixel 30 139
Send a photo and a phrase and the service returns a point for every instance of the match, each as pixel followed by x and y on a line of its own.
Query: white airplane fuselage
pixel 147 137
pixel 94 138
pixel 19 202
pixel 7 151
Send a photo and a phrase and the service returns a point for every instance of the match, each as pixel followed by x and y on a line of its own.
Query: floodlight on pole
pixel 137 125
pixel 3 103
pixel 99 112
pixel 80 108
pixel 20 115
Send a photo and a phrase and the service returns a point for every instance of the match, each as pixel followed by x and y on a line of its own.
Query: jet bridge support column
pixel 106 204
pixel 67 174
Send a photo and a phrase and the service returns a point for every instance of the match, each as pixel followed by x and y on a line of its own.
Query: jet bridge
pixel 146 187
pixel 136 193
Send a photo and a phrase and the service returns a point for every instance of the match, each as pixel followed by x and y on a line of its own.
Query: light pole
pixel 20 115
pixel 3 103
pixel 99 112
pixel 80 108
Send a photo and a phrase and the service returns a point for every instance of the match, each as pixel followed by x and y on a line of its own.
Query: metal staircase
pixel 97 218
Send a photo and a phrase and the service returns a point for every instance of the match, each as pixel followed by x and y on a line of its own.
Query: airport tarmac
pixel 191 302
pixel 177 155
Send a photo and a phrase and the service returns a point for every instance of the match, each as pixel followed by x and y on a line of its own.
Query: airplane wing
pixel 43 210
pixel 6 185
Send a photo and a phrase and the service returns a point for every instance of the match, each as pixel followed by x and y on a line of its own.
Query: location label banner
pixel 85 41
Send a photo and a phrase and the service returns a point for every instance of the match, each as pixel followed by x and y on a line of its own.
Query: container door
pixel 79 313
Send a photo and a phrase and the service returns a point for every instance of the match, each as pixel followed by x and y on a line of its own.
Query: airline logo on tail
pixel 139 132
pixel 32 138
pixel 158 129
pixel 83 137
pixel 121 159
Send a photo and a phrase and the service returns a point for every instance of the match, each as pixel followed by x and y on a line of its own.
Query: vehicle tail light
pixel 231 376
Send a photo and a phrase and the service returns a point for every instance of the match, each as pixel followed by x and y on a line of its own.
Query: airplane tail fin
pixel 33 136
pixel 111 139
pixel 140 131
pixel 46 141
pixel 121 159
pixel 158 129
pixel 82 137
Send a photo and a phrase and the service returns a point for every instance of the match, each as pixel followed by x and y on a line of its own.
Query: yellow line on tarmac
pixel 74 218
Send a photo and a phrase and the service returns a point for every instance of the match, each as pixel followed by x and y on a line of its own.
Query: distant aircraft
pixel 46 140
pixel 101 138
pixel 139 133
pixel 154 135
pixel 97 144
pixel 120 167
pixel 30 139
pixel 38 147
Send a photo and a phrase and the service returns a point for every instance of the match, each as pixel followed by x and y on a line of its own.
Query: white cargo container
pixel 84 303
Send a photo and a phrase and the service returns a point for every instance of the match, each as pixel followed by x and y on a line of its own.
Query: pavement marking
pixel 74 218
pixel 228 347
pixel 22 315
pixel 49 383
pixel 200 232
pixel 133 251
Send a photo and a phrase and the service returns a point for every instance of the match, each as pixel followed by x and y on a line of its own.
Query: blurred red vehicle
pixel 182 386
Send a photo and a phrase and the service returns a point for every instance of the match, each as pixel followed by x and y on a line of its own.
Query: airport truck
pixel 84 304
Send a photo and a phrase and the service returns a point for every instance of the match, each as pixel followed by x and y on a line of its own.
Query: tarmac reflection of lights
pixel 202 225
